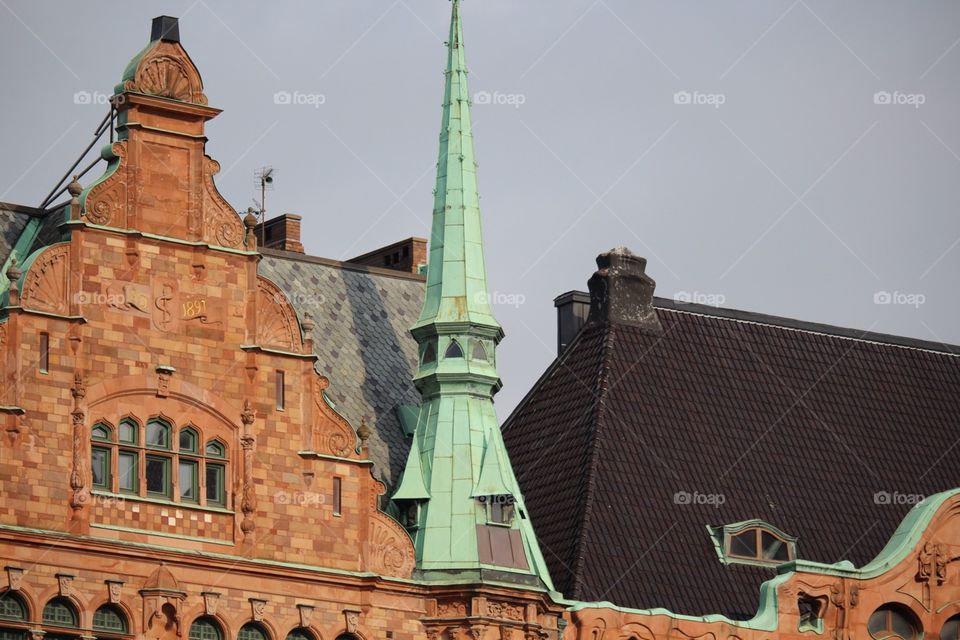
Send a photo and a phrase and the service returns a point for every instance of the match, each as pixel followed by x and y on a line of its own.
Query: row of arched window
pixel 156 460
pixel 61 621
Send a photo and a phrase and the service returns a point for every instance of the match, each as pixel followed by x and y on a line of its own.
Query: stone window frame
pixel 103 630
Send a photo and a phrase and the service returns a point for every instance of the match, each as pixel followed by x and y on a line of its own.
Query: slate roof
pixel 797 424
pixel 13 218
pixel 362 317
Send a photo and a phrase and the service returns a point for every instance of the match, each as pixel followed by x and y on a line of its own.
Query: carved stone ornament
pixel 505 611
pixel 331 433
pixel 351 618
pixel 167 71
pixel 434 633
pixel 306 614
pixel 114 590
pixel 14 578
pixel 258 609
pixel 65 584
pixel 477 631
pixel 211 601
pixel 451 609
pixel 46 284
pixel 277 324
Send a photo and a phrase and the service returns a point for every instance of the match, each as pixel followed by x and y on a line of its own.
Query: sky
pixel 789 157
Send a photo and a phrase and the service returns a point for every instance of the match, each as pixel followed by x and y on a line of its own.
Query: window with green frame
pixel 300 634
pixel 251 631
pixel 109 619
pixel 60 612
pixel 172 463
pixel 12 606
pixel 205 628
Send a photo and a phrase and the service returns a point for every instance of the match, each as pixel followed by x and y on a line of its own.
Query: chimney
pixel 621 292
pixel 282 233
pixel 165 28
pixel 409 256
pixel 572 309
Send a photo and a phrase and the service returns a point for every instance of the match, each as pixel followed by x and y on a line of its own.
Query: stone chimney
pixel 621 292
pixel 408 255
pixel 572 310
pixel 282 233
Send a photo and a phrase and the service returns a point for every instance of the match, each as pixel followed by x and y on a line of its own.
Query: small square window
pixel 158 475
pixel 100 468
pixel 127 470
pixel 215 484
pixel 188 480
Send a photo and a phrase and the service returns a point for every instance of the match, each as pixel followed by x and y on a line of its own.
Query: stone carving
pixel 114 591
pixel 679 634
pixel 306 614
pixel 45 287
pixel 388 550
pixel 331 433
pixel 223 225
pixel 277 324
pixel 434 633
pixel 477 631
pixel 351 618
pixel 162 605
pixel 636 631
pixel 248 503
pixel 14 578
pixel 932 563
pixel 211 602
pixel 105 201
pixel 257 609
pixel 78 473
pixel 166 71
pixel 505 611
pixel 451 609
pixel 65 584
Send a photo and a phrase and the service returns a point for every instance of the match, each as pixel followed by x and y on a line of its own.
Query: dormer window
pixel 500 509
pixel 753 542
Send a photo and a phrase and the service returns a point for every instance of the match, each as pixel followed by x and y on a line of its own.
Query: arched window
pixel 252 631
pixel 13 612
pixel 429 353
pixel 894 622
pixel 157 460
pixel 205 628
pixel 110 620
pixel 300 633
pixel 479 351
pixel 754 542
pixel 60 612
pixel 453 350
pixel 951 629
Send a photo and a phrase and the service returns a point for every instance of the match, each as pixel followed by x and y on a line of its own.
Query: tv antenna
pixel 264 177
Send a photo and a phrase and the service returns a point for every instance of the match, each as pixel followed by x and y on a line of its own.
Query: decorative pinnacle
pixel 75 188
pixel 13 271
pixel 364 432
pixel 250 220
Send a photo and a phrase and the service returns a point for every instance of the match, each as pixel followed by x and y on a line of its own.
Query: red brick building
pixel 202 437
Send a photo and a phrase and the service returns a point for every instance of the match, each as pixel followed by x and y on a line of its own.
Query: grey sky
pixel 797 196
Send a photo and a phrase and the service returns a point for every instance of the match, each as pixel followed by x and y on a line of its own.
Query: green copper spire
pixel 458 496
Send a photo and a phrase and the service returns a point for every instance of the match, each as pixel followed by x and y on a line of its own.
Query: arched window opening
pixel 12 606
pixel 110 620
pixel 429 353
pixel 894 622
pixel 951 629
pixel 60 612
pixel 252 631
pixel 205 628
pixel 300 633
pixel 756 542
pixel 479 352
pixel 453 350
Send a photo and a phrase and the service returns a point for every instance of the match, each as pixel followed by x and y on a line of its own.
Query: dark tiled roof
pixel 13 219
pixel 796 426
pixel 362 317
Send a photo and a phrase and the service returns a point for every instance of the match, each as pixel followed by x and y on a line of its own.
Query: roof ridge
pixel 805 326
pixel 340 264
pixel 595 441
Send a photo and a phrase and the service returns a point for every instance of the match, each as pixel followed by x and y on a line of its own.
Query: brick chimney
pixel 572 309
pixel 408 255
pixel 621 292
pixel 282 233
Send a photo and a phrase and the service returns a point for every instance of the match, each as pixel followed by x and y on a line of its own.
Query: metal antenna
pixel 264 177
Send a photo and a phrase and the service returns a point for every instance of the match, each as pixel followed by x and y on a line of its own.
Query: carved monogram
pixel 46 286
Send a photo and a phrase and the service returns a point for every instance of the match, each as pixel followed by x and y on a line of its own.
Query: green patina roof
pixel 458 458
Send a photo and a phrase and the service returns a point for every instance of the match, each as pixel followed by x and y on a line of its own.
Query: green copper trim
pixel 411 484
